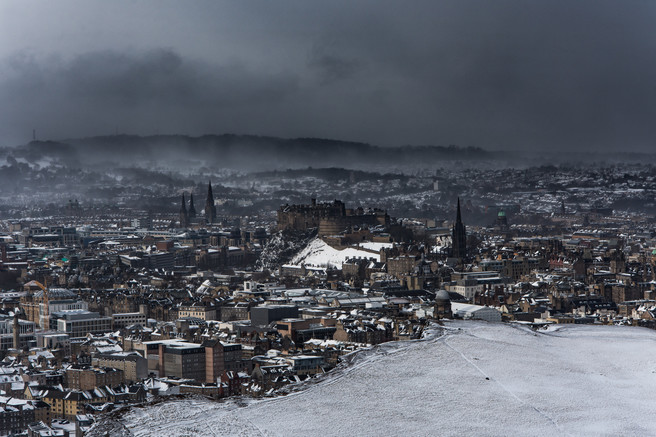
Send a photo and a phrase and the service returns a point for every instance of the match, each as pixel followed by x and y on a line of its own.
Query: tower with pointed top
pixel 210 208
pixel 184 216
pixel 16 329
pixel 459 237
pixel 192 210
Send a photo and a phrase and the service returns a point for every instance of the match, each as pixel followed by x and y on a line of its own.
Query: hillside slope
pixel 472 378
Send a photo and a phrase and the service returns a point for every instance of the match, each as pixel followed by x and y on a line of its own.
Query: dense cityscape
pixel 290 218
pixel 107 306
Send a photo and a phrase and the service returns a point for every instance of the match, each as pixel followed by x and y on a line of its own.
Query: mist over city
pixel 299 218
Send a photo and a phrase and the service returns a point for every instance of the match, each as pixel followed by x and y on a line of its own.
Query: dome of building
pixel 442 295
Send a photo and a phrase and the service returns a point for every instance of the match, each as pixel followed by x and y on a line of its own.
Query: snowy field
pixel 472 378
pixel 318 254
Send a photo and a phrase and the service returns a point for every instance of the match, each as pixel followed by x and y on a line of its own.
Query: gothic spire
pixel 184 217
pixel 209 190
pixel 459 237
pixel 192 209
pixel 210 209
pixel 458 217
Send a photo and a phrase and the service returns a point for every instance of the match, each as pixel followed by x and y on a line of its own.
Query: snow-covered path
pixel 472 378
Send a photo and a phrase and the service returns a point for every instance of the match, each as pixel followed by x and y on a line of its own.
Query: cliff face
pixel 282 246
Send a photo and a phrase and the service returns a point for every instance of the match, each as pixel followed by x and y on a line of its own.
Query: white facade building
pixel 475 312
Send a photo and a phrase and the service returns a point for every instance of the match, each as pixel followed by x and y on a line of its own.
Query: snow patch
pixel 319 254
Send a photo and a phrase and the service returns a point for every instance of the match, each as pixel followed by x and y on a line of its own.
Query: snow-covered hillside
pixel 319 254
pixel 472 378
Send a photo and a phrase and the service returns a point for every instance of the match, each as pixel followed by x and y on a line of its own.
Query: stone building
pixel 133 365
pixel 442 305
pixel 88 378
pixel 17 414
pixel 329 218
pixel 182 360
pixel 221 357
pixel 40 304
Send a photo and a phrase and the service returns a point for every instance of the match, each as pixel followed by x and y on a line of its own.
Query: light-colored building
pixel 198 312
pixel 26 333
pixel 150 351
pixel 133 365
pixel 54 341
pixel 39 305
pixel 475 312
pixel 468 289
pixel 306 364
pixel 79 323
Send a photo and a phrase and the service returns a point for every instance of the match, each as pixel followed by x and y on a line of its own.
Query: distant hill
pixel 236 151
pixel 262 153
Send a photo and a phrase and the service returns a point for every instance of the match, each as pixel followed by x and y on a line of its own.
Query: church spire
pixel 458 216
pixel 210 208
pixel 192 209
pixel 184 217
pixel 459 236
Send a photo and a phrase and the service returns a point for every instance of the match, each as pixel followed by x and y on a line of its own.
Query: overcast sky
pixel 494 74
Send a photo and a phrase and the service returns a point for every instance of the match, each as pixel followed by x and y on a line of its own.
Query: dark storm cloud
pixel 516 74
pixel 330 65
pixel 143 92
